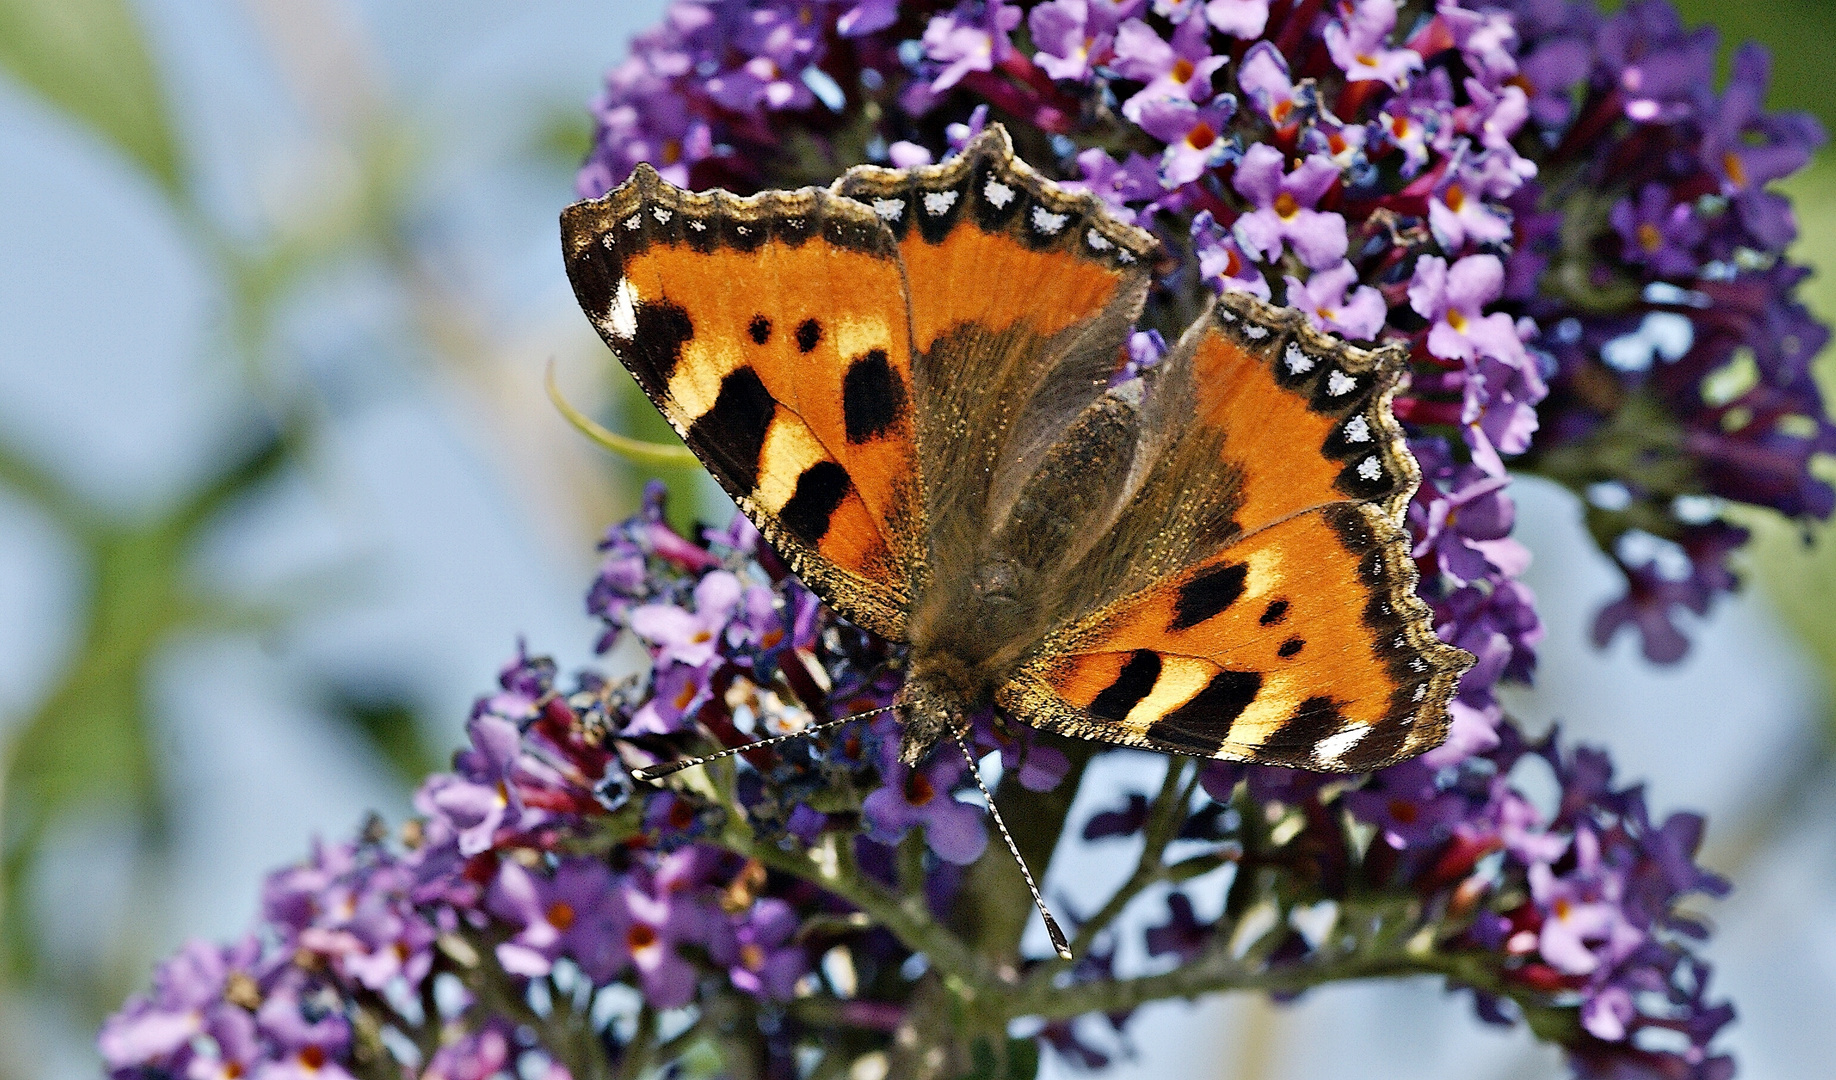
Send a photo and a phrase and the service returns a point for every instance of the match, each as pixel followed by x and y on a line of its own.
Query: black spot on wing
pixel 1290 647
pixel 760 329
pixel 873 397
pixel 1275 612
pixel 1135 682
pixel 732 433
pixel 1208 594
pixel 655 348
pixel 1202 724
pixel 809 332
pixel 820 489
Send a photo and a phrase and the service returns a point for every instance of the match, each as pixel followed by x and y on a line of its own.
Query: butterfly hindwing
pixel 773 333
pixel 1267 612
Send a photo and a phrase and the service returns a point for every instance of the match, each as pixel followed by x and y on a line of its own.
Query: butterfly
pixel 911 383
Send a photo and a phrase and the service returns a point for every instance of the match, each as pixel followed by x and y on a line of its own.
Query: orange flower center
pixel 640 936
pixel 1336 143
pixel 918 789
pixel 1730 164
pixel 1182 70
pixel 1649 237
pixel 1286 206
pixel 771 638
pixel 1457 320
pixel 1404 811
pixel 702 637
pixel 1455 197
pixel 752 956
pixel 681 815
pixel 312 1057
pixel 1562 908
pixel 672 151
pixel 1233 266
pixel 686 695
pixel 1200 137
pixel 560 914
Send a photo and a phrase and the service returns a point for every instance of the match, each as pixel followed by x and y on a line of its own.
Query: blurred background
pixel 279 489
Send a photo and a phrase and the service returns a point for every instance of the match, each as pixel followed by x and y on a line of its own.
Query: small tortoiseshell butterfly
pixel 908 382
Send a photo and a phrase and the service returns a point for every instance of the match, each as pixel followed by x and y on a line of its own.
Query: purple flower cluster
pixel 536 876
pixel 1681 357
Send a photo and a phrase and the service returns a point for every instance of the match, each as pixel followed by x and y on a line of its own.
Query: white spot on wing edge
pixel 938 203
pixel 632 222
pixel 1334 747
pixel 1370 468
pixel 1047 222
pixel 998 193
pixel 623 313
pixel 889 209
pixel 1099 241
pixel 1358 429
pixel 661 214
pixel 1254 332
pixel 1338 384
pixel 1295 361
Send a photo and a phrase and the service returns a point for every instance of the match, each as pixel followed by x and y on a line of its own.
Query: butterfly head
pixel 935 702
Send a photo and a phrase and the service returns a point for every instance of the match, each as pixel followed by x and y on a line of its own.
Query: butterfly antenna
pixel 1058 936
pixel 666 768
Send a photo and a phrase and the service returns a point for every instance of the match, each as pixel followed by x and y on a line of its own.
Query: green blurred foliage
pixel 90 59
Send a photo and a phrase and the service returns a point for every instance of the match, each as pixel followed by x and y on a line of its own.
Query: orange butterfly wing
pixel 1299 640
pixel 773 333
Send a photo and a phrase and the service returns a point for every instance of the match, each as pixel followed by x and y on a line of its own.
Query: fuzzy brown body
pixel 905 381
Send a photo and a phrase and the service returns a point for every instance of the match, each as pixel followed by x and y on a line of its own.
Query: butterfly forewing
pixel 773 334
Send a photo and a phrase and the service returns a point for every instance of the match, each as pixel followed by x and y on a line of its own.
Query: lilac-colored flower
pixel 1583 925
pixel 483 1055
pixel 576 913
pixel 1453 300
pixel 1746 150
pixel 1659 232
pixel 921 796
pixel 761 955
pixel 1499 409
pixel 1458 216
pixel 1403 130
pixel 1487 40
pixel 1471 730
pixel 1322 298
pixel 1552 71
pixel 1239 18
pixel 1660 69
pixel 687 637
pixel 185 987
pixel 866 17
pixel 1284 208
pixel 967 39
pixel 1072 39
pixel 1407 806
pixel 1182 934
pixel 1650 599
pixel 1179 71
pixel 309 1042
pixel 1359 45
pixel 1126 821
pixel 1197 136
pixel 1499 626
pixel 1458 527
pixel 1117 184
pixel 655 926
pixel 1525 833
pixel 482 797
pixel 1263 78
pixel 1222 263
